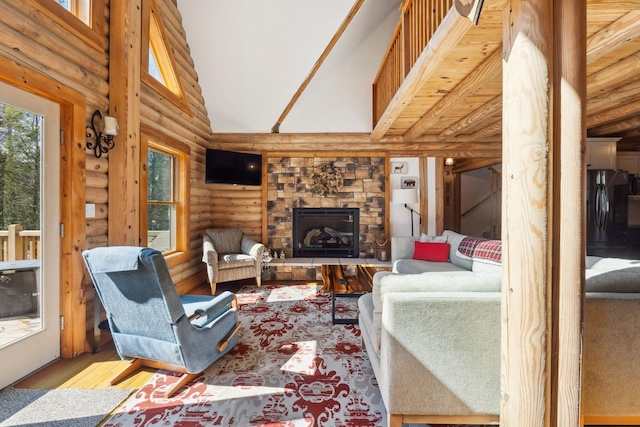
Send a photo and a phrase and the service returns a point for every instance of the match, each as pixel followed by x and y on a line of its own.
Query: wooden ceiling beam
pixel 613 115
pixel 482 75
pixel 449 34
pixel 625 69
pixel 491 129
pixel 627 93
pixel 478 116
pixel 614 36
pixel 619 128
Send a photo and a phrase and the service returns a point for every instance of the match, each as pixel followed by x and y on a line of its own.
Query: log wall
pixel 32 39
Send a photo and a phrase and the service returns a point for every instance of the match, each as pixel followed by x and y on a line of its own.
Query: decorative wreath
pixel 326 179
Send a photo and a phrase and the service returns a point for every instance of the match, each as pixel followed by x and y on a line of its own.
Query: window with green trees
pixel 19 167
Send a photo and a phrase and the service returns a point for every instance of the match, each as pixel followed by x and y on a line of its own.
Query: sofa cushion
pixel 430 251
pixel 454 240
pixel 416 266
pixel 618 280
pixel 446 281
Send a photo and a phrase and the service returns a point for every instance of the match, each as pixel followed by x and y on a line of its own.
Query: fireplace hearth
pixel 326 232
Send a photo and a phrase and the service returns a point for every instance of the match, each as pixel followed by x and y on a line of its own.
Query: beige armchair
pixel 231 255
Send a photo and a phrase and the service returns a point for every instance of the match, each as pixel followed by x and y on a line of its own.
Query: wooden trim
pixel 439 184
pixel 398 420
pixel 72 196
pixel 352 13
pixel 387 195
pixel 424 196
pixel 265 197
pixel 91 33
pixel 612 420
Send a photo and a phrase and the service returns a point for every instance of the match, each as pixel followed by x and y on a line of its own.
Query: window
pixel 165 187
pixel 158 66
pixel 84 18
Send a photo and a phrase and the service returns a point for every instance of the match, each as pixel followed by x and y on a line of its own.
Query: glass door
pixel 29 233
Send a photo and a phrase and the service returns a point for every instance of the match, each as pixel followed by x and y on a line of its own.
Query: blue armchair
pixel 150 323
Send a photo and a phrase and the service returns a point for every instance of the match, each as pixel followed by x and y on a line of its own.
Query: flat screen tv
pixel 230 167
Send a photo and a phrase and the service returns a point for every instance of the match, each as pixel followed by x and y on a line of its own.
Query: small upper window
pixel 159 69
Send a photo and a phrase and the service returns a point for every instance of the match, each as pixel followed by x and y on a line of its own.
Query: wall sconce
pixel 100 138
pixel 448 161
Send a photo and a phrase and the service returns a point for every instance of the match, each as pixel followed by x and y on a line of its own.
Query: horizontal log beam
pixel 358 144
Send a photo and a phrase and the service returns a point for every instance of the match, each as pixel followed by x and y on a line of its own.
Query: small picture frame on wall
pixel 399 167
pixel 409 182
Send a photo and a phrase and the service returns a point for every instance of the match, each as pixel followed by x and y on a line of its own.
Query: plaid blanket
pixel 489 251
pixel 467 246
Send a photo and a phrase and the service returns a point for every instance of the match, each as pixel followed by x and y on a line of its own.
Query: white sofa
pixel 433 338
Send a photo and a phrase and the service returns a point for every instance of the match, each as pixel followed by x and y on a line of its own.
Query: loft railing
pixel 417 24
pixel 18 244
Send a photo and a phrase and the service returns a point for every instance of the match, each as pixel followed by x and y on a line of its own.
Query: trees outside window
pixel 19 168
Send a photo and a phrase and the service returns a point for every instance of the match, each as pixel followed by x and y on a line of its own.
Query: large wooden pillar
pixel 544 91
pixel 124 104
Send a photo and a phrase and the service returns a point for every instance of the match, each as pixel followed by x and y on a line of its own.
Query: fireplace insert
pixel 326 232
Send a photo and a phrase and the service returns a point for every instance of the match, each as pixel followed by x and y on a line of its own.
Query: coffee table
pixel 342 285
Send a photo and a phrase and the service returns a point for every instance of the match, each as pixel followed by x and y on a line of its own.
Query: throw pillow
pixel 431 251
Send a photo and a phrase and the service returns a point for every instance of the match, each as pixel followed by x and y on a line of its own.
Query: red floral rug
pixel 292 367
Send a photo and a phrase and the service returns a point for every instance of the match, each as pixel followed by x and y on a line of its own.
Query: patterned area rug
pixel 292 367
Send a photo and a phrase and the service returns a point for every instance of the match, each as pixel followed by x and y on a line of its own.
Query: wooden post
pixel 569 194
pixel 439 195
pixel 124 104
pixel 14 241
pixel 543 133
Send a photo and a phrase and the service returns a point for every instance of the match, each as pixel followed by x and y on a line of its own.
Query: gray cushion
pixel 454 240
pixel 623 280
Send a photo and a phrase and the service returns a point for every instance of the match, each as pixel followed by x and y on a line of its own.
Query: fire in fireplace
pixel 326 232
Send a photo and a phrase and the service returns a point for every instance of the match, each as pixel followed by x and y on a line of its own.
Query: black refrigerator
pixel 607 208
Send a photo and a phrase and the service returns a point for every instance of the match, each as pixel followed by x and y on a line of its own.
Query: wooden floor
pixel 94 371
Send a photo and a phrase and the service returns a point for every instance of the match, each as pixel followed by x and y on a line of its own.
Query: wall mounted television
pixel 230 167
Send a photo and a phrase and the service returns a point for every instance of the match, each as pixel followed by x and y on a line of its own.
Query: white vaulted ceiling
pixel 251 57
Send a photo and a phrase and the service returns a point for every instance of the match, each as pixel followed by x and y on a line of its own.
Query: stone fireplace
pixel 290 185
pixel 326 232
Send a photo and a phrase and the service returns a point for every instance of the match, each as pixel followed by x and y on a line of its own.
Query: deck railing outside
pixel 417 24
pixel 18 244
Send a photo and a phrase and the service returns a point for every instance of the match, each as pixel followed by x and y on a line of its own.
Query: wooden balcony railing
pixel 417 24
pixel 18 244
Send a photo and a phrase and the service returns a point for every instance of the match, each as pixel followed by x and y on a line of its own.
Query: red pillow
pixel 430 251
